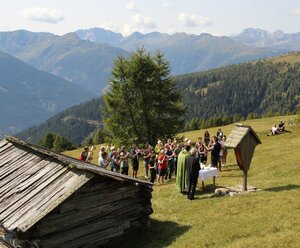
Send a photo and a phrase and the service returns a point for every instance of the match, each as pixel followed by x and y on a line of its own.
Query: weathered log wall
pixel 100 211
pixel 52 200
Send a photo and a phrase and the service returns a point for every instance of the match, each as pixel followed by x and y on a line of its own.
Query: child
pixel 162 165
pixel 152 168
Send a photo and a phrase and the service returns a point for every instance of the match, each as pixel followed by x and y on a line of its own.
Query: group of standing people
pixel 164 161
pixel 191 158
pixel 118 159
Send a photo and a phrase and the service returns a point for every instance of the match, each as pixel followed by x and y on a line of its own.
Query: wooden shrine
pixel 244 140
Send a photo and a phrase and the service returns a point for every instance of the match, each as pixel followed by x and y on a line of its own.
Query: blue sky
pixel 218 17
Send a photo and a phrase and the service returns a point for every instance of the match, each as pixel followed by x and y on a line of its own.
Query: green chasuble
pixel 181 180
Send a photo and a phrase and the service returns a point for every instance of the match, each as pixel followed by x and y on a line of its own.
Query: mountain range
pixel 260 87
pixel 29 96
pixel 186 52
pixel 82 61
pixel 86 57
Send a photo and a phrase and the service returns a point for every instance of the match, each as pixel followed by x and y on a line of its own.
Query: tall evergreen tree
pixel 142 103
pixel 47 140
pixel 55 142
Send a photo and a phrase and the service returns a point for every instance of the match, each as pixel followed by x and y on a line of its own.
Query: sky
pixel 217 17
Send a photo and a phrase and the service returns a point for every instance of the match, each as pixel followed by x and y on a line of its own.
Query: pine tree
pixel 98 137
pixel 55 142
pixel 142 103
pixel 61 144
pixel 47 140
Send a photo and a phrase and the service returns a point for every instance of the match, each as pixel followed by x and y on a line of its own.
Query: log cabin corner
pixel 52 200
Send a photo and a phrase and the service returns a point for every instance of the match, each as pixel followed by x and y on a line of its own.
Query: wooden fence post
pixel 245 173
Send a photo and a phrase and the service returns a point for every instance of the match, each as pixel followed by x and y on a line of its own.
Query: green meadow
pixel 267 218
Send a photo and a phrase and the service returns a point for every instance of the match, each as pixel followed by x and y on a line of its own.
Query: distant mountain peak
pixel 255 33
pixel 256 37
pixel 99 35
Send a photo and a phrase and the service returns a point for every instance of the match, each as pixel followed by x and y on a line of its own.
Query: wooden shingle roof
pixel 33 181
pixel 237 135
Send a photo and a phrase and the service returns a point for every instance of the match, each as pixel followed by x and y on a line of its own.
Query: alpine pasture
pixel 267 218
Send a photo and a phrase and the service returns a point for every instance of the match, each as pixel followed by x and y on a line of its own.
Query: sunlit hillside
pixel 268 218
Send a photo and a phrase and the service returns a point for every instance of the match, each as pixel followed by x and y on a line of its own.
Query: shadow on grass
pixel 231 175
pixel 283 188
pixel 230 167
pixel 159 234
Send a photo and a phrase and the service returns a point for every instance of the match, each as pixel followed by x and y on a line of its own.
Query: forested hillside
pixel 75 123
pixel 260 88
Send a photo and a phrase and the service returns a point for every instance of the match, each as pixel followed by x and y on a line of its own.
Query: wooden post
pixel 245 173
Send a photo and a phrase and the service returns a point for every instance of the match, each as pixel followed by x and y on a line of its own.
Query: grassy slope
pixel 291 58
pixel 269 218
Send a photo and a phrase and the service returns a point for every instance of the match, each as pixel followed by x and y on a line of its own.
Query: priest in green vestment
pixel 181 178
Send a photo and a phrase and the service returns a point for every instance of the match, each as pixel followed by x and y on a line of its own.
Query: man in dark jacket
pixel 215 152
pixel 192 172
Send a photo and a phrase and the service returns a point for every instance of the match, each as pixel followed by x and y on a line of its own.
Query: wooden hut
pixel 52 200
pixel 244 140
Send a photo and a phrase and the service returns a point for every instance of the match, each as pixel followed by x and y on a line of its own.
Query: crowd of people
pixel 181 159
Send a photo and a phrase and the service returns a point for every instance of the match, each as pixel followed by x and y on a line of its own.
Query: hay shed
pixel 52 200
pixel 244 140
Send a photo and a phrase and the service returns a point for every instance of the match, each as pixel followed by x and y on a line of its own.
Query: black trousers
pixel 170 169
pixel 192 188
pixel 152 175
pixel 124 171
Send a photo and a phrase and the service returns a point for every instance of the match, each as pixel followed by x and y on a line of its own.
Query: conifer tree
pixel 142 103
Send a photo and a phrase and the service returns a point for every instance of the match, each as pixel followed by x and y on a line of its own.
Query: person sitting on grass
pixel 281 127
pixel 274 130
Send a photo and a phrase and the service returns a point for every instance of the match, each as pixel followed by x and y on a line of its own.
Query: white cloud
pixel 166 5
pixel 138 23
pixel 143 21
pixel 42 15
pixel 194 20
pixel 131 6
pixel 296 11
